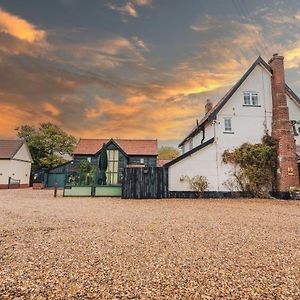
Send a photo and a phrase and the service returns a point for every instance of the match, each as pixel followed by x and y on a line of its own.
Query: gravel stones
pixel 108 248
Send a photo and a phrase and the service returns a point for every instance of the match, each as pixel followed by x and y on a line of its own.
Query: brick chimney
pixel 208 106
pixel 287 174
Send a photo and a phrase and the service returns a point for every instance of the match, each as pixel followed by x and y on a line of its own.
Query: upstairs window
pixel 251 98
pixel 227 125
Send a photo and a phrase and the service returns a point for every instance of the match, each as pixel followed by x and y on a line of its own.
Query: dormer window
pixel 250 98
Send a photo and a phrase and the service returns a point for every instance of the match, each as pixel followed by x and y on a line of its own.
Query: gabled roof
pixel 9 148
pixel 291 93
pixel 130 147
pixel 186 154
pixel 213 113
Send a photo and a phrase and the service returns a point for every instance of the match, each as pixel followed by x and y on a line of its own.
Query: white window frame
pixel 226 128
pixel 253 99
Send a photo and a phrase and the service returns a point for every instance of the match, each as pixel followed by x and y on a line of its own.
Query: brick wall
pixel 287 174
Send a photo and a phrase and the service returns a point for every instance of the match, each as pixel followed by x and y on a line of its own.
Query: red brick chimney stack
pixel 208 106
pixel 287 174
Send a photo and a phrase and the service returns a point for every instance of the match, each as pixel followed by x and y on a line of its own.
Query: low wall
pixel 97 191
pixel 108 191
pixel 78 191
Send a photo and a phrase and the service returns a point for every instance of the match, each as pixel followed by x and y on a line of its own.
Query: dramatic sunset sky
pixel 133 68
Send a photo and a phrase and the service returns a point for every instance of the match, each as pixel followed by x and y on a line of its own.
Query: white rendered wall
pixel 294 113
pixel 248 124
pixel 202 162
pixel 20 170
pixel 4 170
pixel 209 133
pixel 23 153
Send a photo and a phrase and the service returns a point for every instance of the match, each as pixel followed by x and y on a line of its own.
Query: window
pixel 251 98
pixel 113 165
pixel 89 159
pixel 227 125
pixel 142 160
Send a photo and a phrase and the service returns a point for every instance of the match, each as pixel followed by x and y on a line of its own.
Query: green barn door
pixel 58 179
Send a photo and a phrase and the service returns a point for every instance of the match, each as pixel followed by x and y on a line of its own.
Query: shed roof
pixel 130 147
pixel 8 148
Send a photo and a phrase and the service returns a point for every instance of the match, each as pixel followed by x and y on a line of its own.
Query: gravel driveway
pixel 101 248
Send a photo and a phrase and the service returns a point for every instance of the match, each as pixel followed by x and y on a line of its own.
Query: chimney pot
pixel 208 106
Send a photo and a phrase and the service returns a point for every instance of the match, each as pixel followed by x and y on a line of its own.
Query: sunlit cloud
pixel 104 84
pixel 129 7
pixel 20 28
pixel 51 108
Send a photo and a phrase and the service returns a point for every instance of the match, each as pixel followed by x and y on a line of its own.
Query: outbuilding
pixel 15 164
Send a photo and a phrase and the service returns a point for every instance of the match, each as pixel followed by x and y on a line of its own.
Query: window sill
pixel 228 132
pixel 250 105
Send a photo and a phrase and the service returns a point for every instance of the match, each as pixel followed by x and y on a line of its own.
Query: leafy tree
pixel 166 152
pixel 47 144
pixel 255 167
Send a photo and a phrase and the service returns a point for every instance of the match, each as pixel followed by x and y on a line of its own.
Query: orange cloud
pixel 20 28
pixel 52 109
pixel 292 56
pixel 12 116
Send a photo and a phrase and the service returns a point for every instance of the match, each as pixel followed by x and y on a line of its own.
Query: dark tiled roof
pixel 8 148
pixel 130 147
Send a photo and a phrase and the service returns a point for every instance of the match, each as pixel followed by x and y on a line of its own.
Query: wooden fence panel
pixel 145 183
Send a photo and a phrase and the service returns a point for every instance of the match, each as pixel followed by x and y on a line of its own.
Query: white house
pixel 15 164
pixel 243 115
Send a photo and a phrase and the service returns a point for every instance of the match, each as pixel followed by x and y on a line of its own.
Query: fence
pixel 14 183
pixel 85 185
pixel 145 183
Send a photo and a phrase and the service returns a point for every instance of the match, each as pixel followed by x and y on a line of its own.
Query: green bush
pixel 254 167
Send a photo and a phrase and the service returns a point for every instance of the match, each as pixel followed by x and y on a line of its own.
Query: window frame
pixel 250 102
pixel 112 172
pixel 227 129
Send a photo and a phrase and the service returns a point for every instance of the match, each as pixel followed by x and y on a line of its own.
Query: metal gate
pixel 55 179
pixel 145 183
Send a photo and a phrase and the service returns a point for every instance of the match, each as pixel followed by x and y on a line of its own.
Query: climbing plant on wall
pixel 254 167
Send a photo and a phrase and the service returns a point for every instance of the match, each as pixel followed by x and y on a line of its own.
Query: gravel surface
pixel 101 248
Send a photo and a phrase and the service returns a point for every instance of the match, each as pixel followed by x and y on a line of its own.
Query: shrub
pixel 198 184
pixel 254 167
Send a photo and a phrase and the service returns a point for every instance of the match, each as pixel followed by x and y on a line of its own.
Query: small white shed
pixel 15 164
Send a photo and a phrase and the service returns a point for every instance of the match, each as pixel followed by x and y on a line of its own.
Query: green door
pixel 56 179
